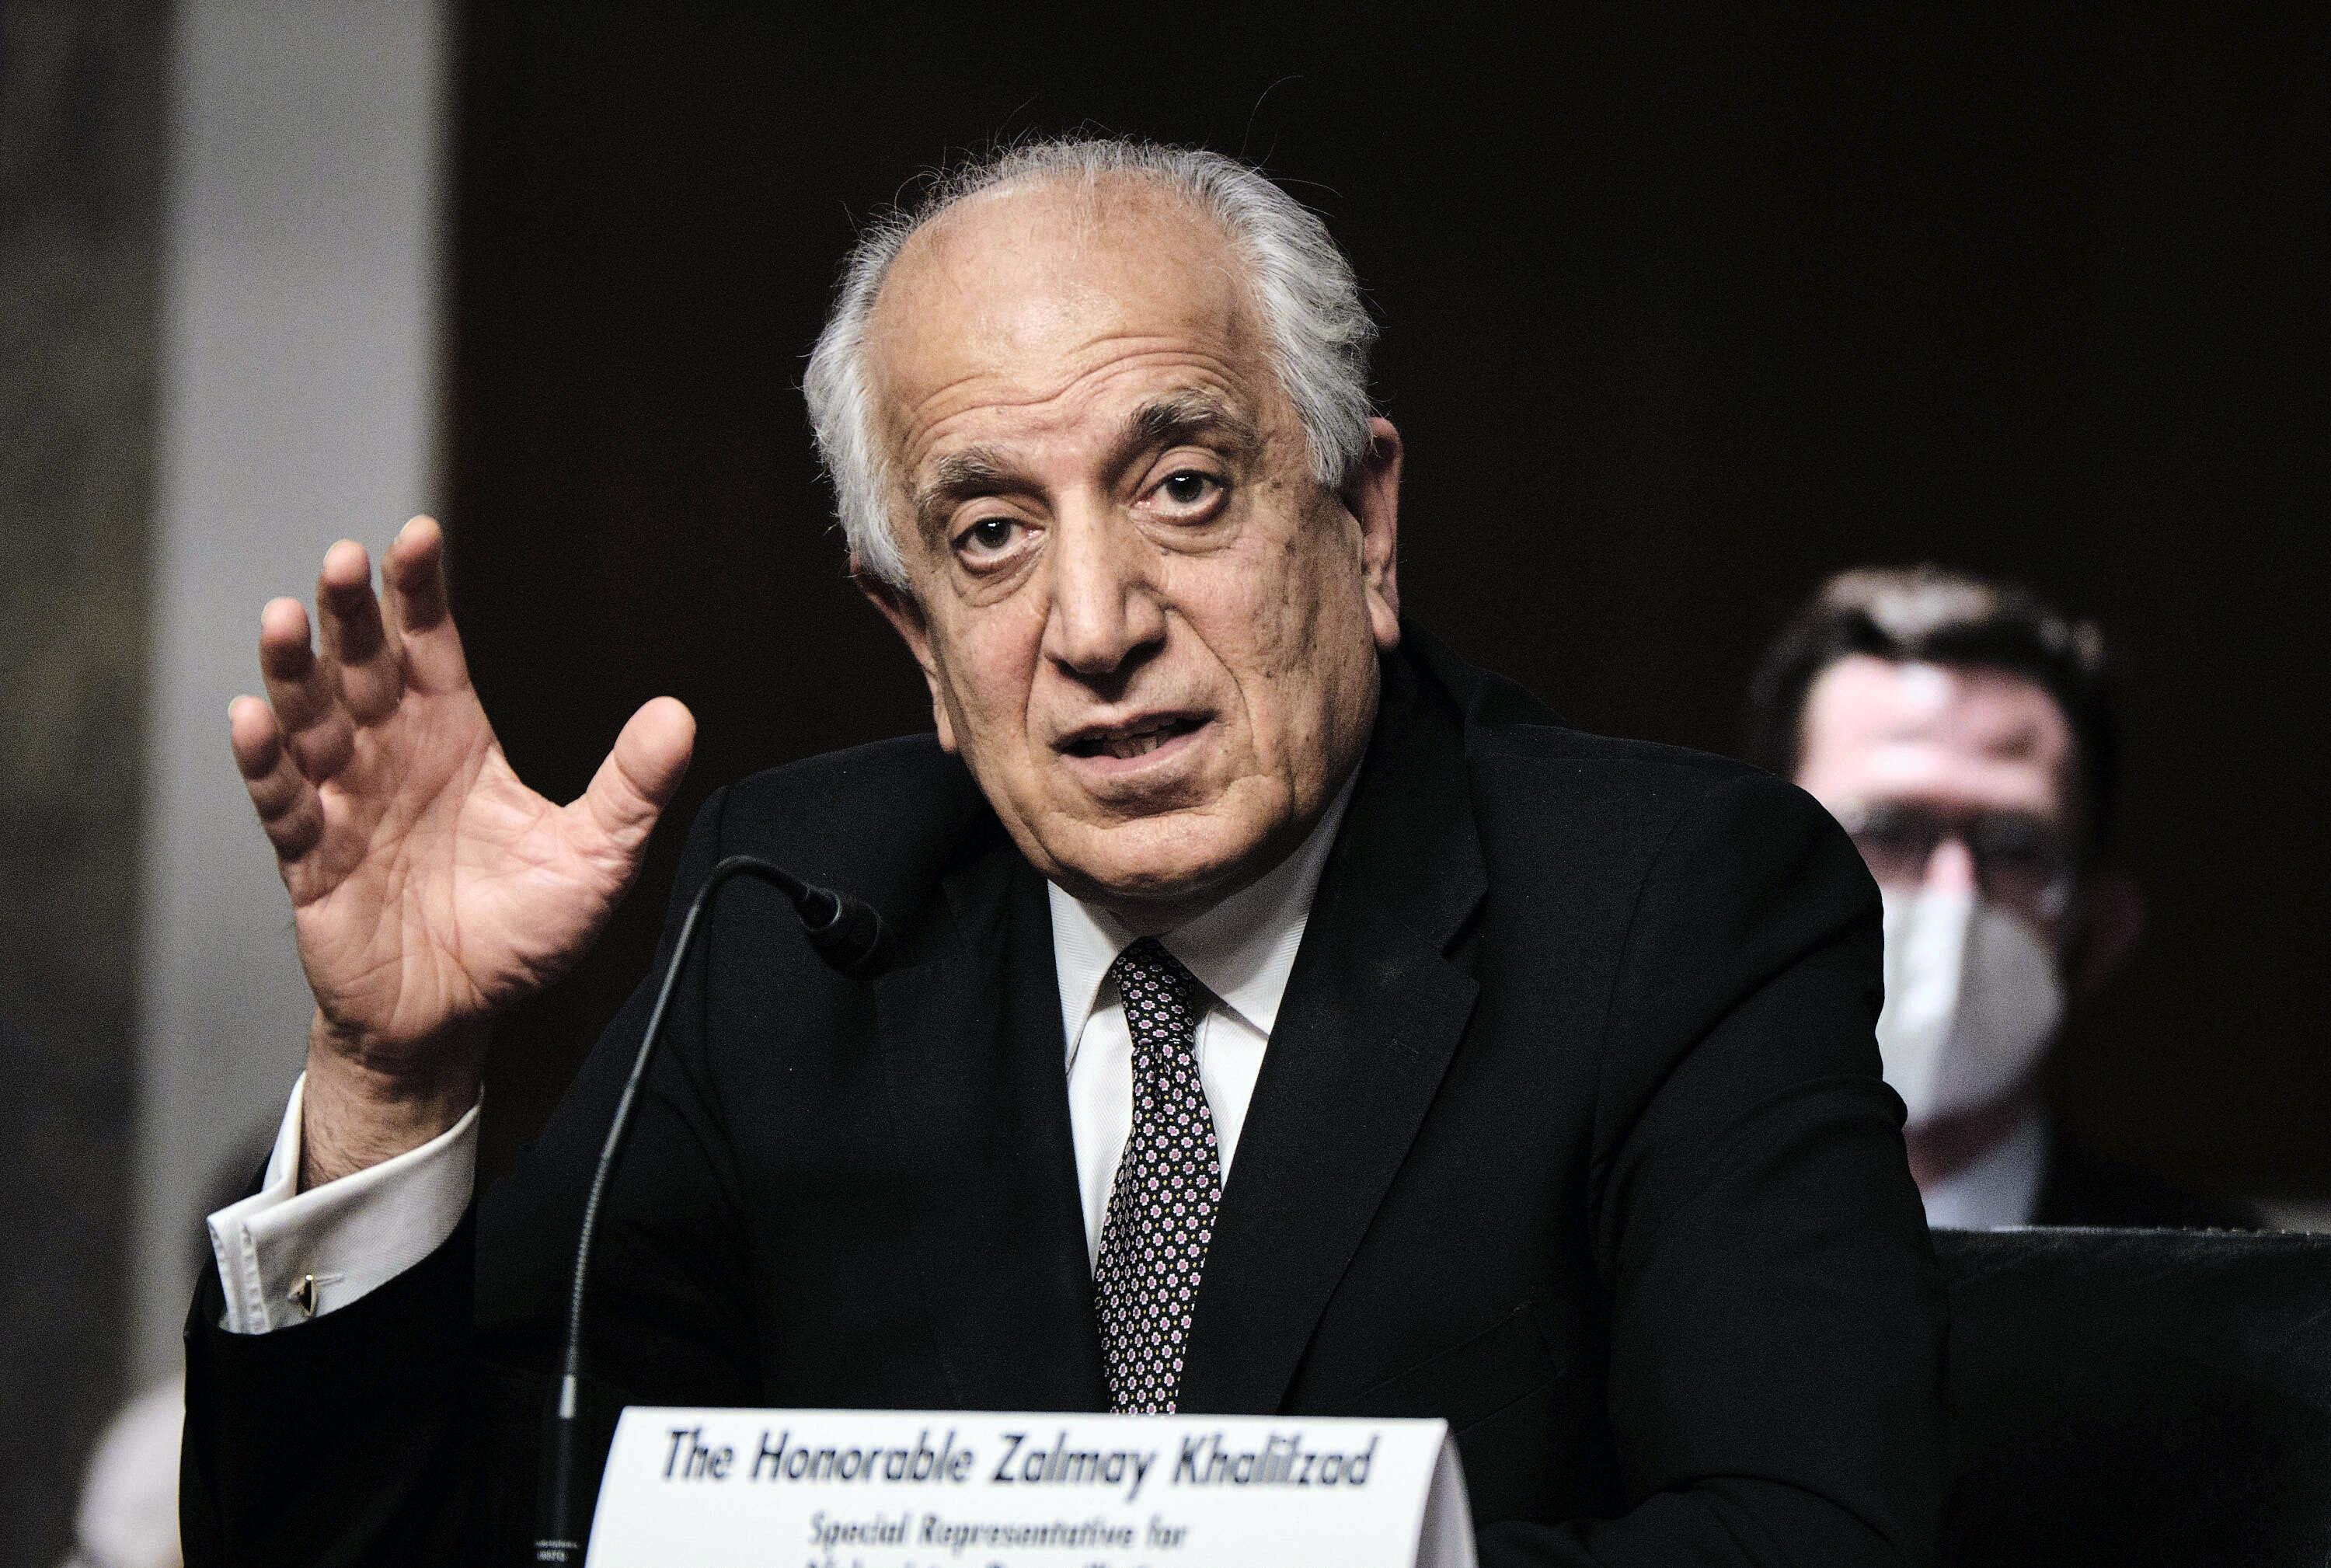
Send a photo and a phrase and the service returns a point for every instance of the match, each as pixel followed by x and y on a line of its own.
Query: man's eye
pixel 988 534
pixel 1188 488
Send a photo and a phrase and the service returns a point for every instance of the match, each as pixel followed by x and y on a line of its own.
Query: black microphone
pixel 847 934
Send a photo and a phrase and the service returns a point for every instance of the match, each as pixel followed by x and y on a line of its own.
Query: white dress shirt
pixel 1240 950
pixel 284 1255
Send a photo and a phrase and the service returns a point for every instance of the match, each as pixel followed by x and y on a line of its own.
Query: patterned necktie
pixel 1169 1182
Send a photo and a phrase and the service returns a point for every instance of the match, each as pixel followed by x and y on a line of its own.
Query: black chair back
pixel 2140 1397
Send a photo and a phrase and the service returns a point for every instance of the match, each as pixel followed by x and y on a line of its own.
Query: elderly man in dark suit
pixel 1504 1074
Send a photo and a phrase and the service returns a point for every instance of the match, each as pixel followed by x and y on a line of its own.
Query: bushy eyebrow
pixel 1180 417
pixel 956 478
pixel 1176 419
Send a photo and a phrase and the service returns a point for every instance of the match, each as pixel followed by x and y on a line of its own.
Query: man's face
pixel 1948 775
pixel 1147 629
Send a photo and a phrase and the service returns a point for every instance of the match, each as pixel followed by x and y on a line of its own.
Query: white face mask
pixel 1972 1000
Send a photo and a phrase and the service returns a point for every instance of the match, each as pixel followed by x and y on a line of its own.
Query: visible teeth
pixel 1135 743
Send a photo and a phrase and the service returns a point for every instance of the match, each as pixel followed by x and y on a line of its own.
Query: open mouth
pixel 1139 737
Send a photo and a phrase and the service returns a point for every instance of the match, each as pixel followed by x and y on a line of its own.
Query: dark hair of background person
pixel 1934 615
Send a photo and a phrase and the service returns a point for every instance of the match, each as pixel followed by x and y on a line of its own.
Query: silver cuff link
pixel 303 1295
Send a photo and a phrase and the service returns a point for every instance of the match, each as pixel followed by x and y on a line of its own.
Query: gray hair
pixel 1319 330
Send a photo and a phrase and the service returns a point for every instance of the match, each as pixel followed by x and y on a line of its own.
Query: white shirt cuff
pixel 285 1256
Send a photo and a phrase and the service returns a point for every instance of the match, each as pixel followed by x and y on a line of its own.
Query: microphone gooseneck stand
pixel 845 933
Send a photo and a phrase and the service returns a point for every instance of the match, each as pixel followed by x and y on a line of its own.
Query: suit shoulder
pixel 1509 730
pixel 905 771
pixel 1537 782
pixel 880 820
pixel 1550 762
pixel 1548 796
pixel 1558 746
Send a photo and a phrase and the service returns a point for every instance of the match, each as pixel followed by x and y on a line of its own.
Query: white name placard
pixel 886 1489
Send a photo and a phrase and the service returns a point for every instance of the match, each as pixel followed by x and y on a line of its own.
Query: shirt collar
pixel 1241 950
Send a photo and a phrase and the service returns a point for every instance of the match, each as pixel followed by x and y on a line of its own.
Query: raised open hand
pixel 430 887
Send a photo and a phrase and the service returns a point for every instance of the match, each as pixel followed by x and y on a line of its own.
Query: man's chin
pixel 1158 871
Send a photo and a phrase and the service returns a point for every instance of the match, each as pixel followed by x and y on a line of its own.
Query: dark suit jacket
pixel 1571 1132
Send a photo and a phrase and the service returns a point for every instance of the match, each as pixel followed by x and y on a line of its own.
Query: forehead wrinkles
pixel 1014 298
pixel 1124 371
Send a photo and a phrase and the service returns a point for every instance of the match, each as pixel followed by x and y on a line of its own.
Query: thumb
pixel 641 775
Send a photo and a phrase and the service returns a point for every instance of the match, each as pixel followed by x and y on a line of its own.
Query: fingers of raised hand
pixel 286 800
pixel 413 575
pixel 315 729
pixel 358 655
pixel 639 776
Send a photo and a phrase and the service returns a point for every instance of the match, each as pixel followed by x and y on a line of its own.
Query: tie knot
pixel 1160 996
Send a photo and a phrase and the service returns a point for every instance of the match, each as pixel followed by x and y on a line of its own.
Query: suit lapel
pixel 1373 1013
pixel 974 1068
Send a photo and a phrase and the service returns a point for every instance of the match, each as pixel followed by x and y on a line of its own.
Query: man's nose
pixel 1104 608
pixel 1951 867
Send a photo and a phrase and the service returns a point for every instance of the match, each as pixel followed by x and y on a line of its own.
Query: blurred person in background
pixel 128 1516
pixel 128 1512
pixel 1962 730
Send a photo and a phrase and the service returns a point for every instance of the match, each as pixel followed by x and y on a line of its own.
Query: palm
pixel 441 886
pixel 430 886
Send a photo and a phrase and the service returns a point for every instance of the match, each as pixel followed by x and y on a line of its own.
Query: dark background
pixel 1683 310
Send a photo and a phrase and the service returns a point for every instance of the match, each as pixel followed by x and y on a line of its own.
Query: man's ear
pixel 2111 915
pixel 906 618
pixel 1373 497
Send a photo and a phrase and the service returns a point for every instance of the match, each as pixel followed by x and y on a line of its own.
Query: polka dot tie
pixel 1169 1182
